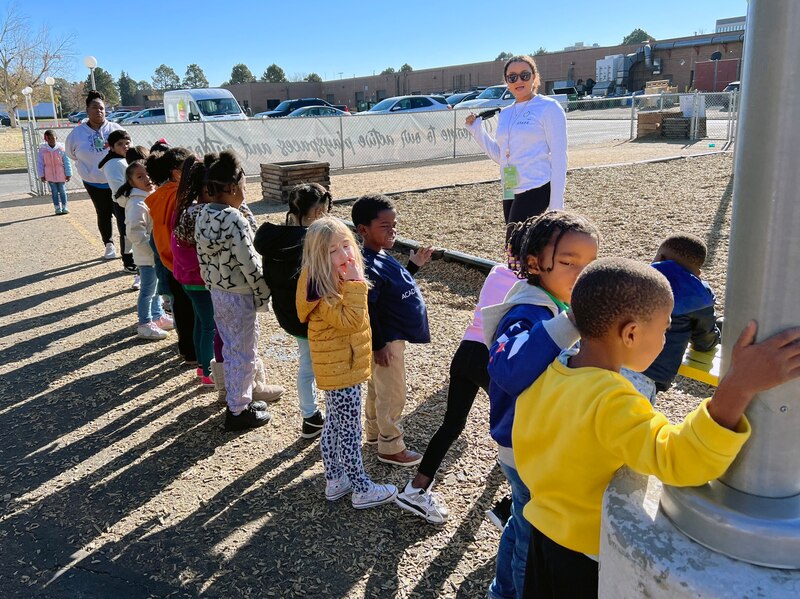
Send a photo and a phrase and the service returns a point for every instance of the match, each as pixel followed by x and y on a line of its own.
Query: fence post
pixel 455 132
pixel 341 137
pixel 694 120
pixel 633 117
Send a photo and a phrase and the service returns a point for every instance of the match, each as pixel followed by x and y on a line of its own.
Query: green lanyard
pixel 562 307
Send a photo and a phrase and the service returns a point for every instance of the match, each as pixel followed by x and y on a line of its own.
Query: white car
pixel 318 111
pixel 491 97
pixel 148 115
pixel 403 104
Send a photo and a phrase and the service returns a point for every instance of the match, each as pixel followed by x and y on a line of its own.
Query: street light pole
pixel 50 83
pixel 91 64
pixel 29 104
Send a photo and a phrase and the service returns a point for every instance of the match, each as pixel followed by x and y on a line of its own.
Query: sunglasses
pixel 524 75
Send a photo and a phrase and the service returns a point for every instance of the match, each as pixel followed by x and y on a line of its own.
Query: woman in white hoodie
pixel 153 323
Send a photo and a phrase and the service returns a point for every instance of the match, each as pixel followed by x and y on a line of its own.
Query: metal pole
pixel 753 512
pixel 341 136
pixel 455 131
pixel 53 102
pixel 91 72
pixel 633 116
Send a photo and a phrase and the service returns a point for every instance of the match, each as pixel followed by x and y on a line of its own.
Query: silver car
pixel 404 104
pixel 492 97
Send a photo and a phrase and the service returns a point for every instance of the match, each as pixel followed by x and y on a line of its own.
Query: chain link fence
pixel 366 139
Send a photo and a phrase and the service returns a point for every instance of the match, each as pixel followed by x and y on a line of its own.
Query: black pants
pixel 553 571
pixel 526 204
pixel 183 314
pixel 467 374
pixel 104 208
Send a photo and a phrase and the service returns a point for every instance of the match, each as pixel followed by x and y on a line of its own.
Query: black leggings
pixel 105 207
pixel 526 204
pixel 467 374
pixel 553 571
pixel 183 314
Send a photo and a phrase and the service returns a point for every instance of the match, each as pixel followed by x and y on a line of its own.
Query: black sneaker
pixel 312 426
pixel 251 417
pixel 500 512
pixel 131 268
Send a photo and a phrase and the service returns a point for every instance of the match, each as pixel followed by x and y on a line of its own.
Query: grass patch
pixel 12 160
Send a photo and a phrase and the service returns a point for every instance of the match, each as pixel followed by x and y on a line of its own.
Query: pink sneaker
pixel 199 372
pixel 165 323
pixel 206 381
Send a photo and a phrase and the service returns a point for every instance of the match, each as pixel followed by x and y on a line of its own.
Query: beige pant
pixel 386 397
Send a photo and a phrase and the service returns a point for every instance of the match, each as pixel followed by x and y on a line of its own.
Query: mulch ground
pixel 118 480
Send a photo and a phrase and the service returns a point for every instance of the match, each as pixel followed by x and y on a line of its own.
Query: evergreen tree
pixel 241 74
pixel 194 77
pixel 273 74
pixel 105 84
pixel 127 89
pixel 165 78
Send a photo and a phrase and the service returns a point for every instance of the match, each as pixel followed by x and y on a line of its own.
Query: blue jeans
pixel 204 326
pixel 59 192
pixel 306 383
pixel 509 578
pixel 148 306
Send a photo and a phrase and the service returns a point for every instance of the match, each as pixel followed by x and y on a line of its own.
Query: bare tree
pixel 27 56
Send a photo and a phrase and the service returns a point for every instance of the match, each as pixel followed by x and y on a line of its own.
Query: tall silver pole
pixel 91 72
pixel 53 102
pixel 753 511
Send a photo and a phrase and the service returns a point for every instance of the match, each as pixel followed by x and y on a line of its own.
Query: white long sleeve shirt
pixel 87 148
pixel 532 136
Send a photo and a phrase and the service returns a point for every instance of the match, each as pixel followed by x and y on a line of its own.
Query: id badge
pixel 510 182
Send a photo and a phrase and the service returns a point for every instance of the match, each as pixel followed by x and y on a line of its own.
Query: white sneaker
pixel 375 495
pixel 150 332
pixel 111 253
pixel 165 323
pixel 424 503
pixel 137 283
pixel 336 489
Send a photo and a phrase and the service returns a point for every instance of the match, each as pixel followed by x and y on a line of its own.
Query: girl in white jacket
pixel 153 323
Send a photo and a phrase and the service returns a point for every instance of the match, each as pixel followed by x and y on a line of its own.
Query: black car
pixel 287 106
pixel 5 120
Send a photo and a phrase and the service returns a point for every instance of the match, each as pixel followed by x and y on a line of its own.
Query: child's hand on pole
pixel 422 256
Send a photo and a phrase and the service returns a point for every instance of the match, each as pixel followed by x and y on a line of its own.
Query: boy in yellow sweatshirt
pixel 580 422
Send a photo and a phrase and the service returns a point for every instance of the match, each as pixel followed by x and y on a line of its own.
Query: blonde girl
pixel 332 298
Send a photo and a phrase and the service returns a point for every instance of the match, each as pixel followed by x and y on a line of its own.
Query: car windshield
pixel 491 93
pixel 218 106
pixel 439 99
pixel 383 104
pixel 285 105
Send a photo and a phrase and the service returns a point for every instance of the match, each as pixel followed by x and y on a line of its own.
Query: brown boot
pixel 401 458
pixel 261 390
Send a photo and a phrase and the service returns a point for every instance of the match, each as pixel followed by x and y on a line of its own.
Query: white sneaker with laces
pixel 150 332
pixel 137 283
pixel 374 496
pixel 165 323
pixel 338 488
pixel 110 253
pixel 424 503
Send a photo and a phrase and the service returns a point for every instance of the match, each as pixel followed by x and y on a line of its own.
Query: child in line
pixel 55 169
pixel 332 299
pixel 468 373
pixel 397 314
pixel 580 422
pixel 680 258
pixel 131 195
pixel 231 269
pixel 164 169
pixel 524 335
pixel 191 197
pixel 281 248
pixel 113 166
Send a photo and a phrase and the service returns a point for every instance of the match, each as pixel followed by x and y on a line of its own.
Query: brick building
pixel 672 59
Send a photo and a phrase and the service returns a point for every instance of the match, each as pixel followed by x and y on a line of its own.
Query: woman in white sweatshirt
pixel 530 145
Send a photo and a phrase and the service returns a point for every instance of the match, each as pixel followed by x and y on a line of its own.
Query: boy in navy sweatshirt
pixel 397 315
pixel 680 258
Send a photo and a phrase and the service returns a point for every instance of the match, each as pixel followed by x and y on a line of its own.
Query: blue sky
pixel 345 39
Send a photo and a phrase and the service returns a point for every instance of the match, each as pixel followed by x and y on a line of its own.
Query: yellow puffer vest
pixel 338 334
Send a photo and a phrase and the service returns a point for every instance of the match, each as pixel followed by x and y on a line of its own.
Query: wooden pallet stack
pixel 278 178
